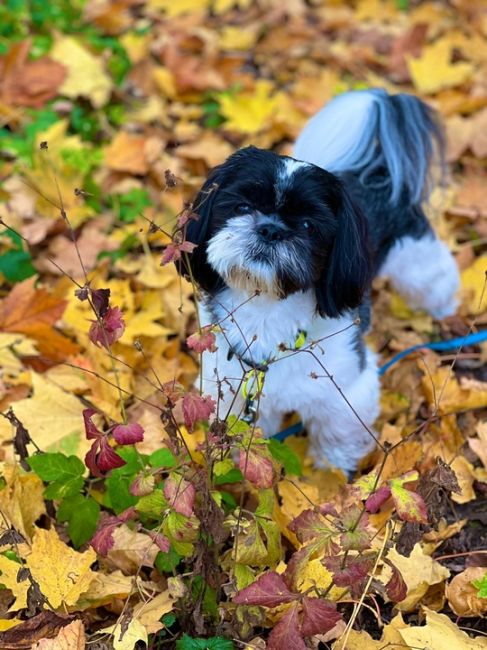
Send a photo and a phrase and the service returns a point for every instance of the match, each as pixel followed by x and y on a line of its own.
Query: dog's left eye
pixel 243 208
pixel 307 225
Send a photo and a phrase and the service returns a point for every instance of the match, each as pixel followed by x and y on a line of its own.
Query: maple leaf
pixel 286 633
pixel 197 407
pixel 202 341
pixel 269 590
pixel 128 434
pixel 256 468
pixel 180 494
pixel 107 329
pixel 319 616
pixel 67 574
pixel 34 312
pixel 173 252
pixel 26 82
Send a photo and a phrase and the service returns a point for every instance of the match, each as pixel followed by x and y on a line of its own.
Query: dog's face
pixel 274 224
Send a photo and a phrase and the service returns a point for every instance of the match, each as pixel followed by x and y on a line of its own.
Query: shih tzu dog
pixel 286 251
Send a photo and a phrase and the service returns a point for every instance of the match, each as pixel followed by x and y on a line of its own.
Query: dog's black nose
pixel 270 232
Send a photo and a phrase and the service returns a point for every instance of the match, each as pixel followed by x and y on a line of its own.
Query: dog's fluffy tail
pixel 365 131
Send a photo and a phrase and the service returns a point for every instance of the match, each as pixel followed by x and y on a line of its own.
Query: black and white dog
pixel 286 251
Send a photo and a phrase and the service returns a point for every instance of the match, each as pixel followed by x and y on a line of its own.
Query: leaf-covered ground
pixel 125 519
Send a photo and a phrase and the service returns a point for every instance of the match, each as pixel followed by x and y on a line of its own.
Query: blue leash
pixel 442 346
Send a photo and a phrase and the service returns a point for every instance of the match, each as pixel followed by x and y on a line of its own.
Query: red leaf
pixel 180 494
pixel 197 407
pixel 320 616
pixel 352 575
pixel 161 541
pixel 128 434
pixel 256 468
pixel 309 525
pixel 107 459
pixel 142 485
pixel 100 299
pixel 286 634
pixel 269 590
pixel 91 431
pixel 396 588
pixel 375 500
pixel 173 251
pixel 102 541
pixel 108 329
pixel 201 341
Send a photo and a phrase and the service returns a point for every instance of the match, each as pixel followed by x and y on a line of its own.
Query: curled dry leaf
pixel 462 594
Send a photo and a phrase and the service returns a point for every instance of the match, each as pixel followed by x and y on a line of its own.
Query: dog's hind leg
pixel 341 428
pixel 424 272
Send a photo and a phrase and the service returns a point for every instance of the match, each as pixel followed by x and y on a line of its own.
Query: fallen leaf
pixel 86 73
pixel 125 637
pixel 53 417
pixel 21 500
pixel 479 445
pixel 474 285
pixel 131 550
pixel 419 572
pixel 44 625
pixel 149 614
pixel 210 148
pixel 70 637
pixel 24 82
pixel 433 70
pixel 462 594
pixel 67 574
pixel 249 112
pixel 34 312
pixel 440 633
pixel 10 570
pixel 133 154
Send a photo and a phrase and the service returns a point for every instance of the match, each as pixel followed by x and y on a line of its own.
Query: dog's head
pixel 279 225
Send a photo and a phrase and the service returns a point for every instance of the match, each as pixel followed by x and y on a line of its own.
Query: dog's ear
pixel 198 232
pixel 348 271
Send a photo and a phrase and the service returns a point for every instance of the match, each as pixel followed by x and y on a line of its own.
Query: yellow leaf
pixel 440 633
pixel 143 322
pixel 390 640
pixel 209 147
pixel 236 38
pixel 54 178
pixel 419 571
pixel 7 624
pixel 126 638
pixel 432 71
pixel 249 112
pixel 21 500
pixel 149 614
pixel 418 320
pixel 104 588
pixel 10 570
pixel 180 7
pixel 86 73
pixel 473 283
pixel 130 550
pixel 465 474
pixel 315 574
pixel 443 390
pixel 53 417
pixel 70 637
pixel 66 574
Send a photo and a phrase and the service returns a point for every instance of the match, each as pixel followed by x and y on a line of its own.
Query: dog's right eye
pixel 243 208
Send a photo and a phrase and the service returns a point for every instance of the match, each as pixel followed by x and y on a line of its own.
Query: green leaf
pixel 181 531
pixel 222 467
pixel 201 588
pixel 213 643
pixel 167 562
pixel 481 585
pixel 82 514
pixel 162 458
pixel 56 467
pixel 233 476
pixel 118 496
pixel 17 265
pixel 286 456
pixel 61 490
pixel 152 505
